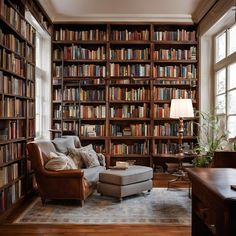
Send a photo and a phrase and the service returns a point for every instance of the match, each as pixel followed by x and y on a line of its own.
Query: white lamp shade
pixel 181 108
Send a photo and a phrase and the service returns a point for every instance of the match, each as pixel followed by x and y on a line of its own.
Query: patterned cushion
pixel 101 159
pixel 89 156
pixel 74 153
pixel 59 161
pixel 62 144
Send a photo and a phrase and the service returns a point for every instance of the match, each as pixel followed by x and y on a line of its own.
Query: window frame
pixel 224 63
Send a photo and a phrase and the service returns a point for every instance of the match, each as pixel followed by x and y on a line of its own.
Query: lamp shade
pixel 181 108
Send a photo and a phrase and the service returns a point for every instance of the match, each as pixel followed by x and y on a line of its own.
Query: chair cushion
pixel 59 161
pixel 62 144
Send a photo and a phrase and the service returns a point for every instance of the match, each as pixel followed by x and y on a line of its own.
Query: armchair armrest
pixel 63 173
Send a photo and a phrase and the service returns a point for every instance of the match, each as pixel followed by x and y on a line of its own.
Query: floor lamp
pixel 179 109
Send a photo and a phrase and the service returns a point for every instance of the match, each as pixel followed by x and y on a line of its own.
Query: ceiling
pixel 127 10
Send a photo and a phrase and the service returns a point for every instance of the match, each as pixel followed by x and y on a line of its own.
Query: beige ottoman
pixel 122 183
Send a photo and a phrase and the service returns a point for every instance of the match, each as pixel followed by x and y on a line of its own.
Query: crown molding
pixel 126 18
pixel 202 9
pixel 48 8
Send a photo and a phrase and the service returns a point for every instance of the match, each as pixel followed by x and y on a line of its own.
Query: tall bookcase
pixel 17 103
pixel 112 84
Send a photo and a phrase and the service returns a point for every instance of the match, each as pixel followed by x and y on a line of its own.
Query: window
pixel 225 78
pixel 43 80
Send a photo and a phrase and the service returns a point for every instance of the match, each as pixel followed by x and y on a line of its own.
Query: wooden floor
pixel 160 180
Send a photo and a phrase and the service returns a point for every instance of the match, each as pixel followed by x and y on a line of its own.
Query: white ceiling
pixel 126 10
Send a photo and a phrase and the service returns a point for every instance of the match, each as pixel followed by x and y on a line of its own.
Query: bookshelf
pixel 112 85
pixel 17 102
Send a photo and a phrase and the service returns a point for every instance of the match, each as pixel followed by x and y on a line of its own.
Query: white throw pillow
pixel 59 161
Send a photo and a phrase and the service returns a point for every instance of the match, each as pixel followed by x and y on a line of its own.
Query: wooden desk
pixel 213 201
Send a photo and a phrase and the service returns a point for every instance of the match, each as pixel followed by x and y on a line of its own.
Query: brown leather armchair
pixel 64 184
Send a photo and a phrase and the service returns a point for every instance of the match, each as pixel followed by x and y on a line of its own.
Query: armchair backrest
pixel 39 152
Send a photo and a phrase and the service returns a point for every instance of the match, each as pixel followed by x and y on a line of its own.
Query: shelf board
pixel 90 61
pixel 129 155
pixel 125 102
pixel 12 73
pixel 11 183
pixel 93 138
pixel 129 119
pixel 141 61
pixel 79 42
pixel 134 42
pixel 174 137
pixel 176 61
pixel 130 137
pixel 11 162
pixel 175 42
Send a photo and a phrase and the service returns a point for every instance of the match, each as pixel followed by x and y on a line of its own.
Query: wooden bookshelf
pixel 17 103
pixel 118 79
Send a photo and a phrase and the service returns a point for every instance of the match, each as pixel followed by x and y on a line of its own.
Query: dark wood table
pixel 213 201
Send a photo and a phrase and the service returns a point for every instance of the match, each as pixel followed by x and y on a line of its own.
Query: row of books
pixel 31 128
pixel 171 129
pixel 11 152
pixel 97 34
pixel 70 111
pixel 131 130
pixel 17 22
pixel 161 111
pixel 129 81
pixel 80 70
pixel 12 42
pixel 129 94
pixel 189 71
pixel 92 95
pixel 125 149
pixel 10 62
pixel 30 72
pixel 130 111
pixel 30 91
pixel 178 35
pixel 171 93
pixel 93 111
pixel 11 85
pixel 8 174
pixel 31 108
pixel 12 107
pixel 171 148
pixel 176 81
pixel 175 54
pixel 130 35
pixel 130 54
pixel 88 130
pixel 76 52
pixel 10 195
pixel 29 53
pixel 77 35
pixel 15 129
pixel 130 69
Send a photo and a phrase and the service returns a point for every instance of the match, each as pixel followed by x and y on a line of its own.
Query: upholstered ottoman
pixel 122 183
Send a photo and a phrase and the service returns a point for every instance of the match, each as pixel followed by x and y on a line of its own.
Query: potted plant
pixel 212 135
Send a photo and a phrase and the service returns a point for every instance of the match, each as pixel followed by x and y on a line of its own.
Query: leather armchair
pixel 64 184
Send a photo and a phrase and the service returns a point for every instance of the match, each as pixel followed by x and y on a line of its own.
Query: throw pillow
pixel 59 161
pixel 74 153
pixel 101 159
pixel 89 157
pixel 62 144
pixel 76 139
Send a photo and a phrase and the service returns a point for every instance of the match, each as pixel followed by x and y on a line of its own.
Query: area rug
pixel 161 206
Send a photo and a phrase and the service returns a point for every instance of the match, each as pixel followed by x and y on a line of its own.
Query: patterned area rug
pixel 161 206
